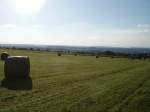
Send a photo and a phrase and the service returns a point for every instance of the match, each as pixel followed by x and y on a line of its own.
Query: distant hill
pixel 78 48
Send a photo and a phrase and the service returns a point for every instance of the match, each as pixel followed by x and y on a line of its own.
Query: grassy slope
pixel 80 84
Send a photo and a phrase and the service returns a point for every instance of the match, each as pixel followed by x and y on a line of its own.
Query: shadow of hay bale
pixel 17 83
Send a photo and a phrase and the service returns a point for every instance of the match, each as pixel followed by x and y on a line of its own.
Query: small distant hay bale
pixel 59 54
pixel 97 56
pixel 112 57
pixel 75 54
pixel 17 66
pixel 4 56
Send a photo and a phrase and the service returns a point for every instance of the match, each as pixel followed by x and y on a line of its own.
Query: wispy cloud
pixel 19 28
pixel 76 28
pixel 143 25
pixel 7 26
pixel 76 34
pixel 140 28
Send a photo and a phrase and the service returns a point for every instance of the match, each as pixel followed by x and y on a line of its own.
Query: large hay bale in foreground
pixel 17 66
pixel 4 56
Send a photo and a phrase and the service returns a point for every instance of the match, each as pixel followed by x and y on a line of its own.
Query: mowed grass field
pixel 70 83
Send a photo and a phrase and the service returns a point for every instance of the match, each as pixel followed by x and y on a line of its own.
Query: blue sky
pixel 118 23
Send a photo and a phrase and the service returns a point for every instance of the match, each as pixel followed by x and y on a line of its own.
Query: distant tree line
pixel 98 54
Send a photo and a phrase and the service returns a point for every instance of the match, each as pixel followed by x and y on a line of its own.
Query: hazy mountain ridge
pixel 92 49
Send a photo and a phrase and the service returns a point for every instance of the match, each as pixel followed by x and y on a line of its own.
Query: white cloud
pixel 143 25
pixel 7 26
pixel 85 29
pixel 18 28
pixel 130 31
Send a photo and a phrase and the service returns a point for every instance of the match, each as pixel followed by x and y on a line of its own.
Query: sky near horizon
pixel 117 23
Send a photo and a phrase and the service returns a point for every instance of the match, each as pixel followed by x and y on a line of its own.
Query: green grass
pixel 70 83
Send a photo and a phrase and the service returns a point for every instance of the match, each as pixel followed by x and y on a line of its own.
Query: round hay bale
pixel 59 54
pixel 75 54
pixel 17 66
pixel 97 56
pixel 4 56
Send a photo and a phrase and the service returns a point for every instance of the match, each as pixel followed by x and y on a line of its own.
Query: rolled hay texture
pixel 4 56
pixel 17 67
